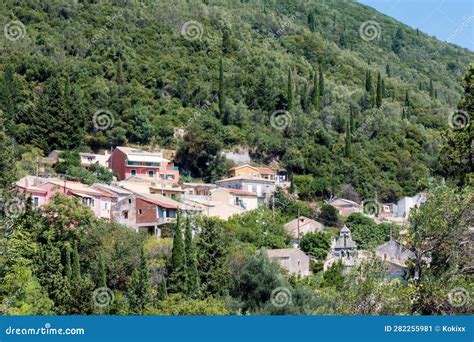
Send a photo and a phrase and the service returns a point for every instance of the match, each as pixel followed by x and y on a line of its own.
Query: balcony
pixel 143 164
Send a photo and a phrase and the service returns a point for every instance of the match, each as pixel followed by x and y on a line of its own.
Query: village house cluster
pixel 147 195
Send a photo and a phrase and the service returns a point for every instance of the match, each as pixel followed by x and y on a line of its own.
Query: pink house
pixel 127 162
pixel 100 202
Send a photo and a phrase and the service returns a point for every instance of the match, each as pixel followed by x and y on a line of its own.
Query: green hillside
pixel 136 61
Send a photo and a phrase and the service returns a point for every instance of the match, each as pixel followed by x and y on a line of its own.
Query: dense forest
pixel 381 113
pixel 220 69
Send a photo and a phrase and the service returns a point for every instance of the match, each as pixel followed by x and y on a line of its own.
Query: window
pixel 151 173
pixel 106 205
pixel 237 200
pixel 125 214
pixel 169 176
pixel 140 211
pixel 129 201
pixel 88 201
pixel 299 262
pixel 133 172
pixel 36 201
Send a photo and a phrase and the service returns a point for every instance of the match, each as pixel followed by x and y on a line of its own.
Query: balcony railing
pixel 145 164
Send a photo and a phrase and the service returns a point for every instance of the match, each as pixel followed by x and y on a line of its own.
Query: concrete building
pixel 303 225
pixel 240 198
pixel 88 159
pixel 346 207
pixel 293 260
pixel 264 188
pixel 127 162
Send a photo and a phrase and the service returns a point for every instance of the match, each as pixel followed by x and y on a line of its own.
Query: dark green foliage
pixel 321 82
pixel 212 257
pixel 379 91
pixel 317 244
pixel 68 267
pixel 76 266
pixel 348 140
pixel 366 233
pixel 333 276
pixel 221 89
pixel 192 276
pixel 101 274
pixel 328 215
pixel 139 291
pixel 289 95
pixel 8 171
pixel 177 268
pixel 315 93
pixel 259 277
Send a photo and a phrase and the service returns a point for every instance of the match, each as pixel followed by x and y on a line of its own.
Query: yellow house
pixel 253 171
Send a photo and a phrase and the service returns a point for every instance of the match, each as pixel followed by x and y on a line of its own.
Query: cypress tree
pixel 315 93
pixel 68 268
pixel 407 99
pixel 290 96
pixel 76 267
pixel 101 276
pixel 177 272
pixel 139 292
pixel 9 93
pixel 321 82
pixel 348 147
pixel 387 70
pixel 351 119
pixel 221 89
pixel 161 290
pixel 431 89
pixel 8 170
pixel 404 114
pixel 368 81
pixel 119 72
pixel 378 100
pixel 303 99
pixel 192 276
pixel 311 22
pixel 225 41
pixel 436 94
